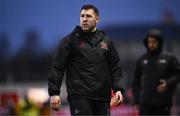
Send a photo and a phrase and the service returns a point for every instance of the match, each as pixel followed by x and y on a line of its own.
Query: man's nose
pixel 84 18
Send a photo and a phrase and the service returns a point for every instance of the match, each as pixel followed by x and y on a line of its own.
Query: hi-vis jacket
pixel 91 63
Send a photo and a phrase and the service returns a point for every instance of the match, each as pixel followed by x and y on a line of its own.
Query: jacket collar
pixel 79 32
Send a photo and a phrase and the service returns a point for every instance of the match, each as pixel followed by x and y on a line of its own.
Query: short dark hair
pixel 90 6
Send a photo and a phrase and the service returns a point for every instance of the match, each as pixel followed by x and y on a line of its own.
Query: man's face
pixel 88 19
pixel 152 43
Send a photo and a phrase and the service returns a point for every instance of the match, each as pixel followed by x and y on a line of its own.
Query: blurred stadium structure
pixel 25 63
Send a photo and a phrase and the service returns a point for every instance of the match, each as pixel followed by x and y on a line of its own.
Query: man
pixel 92 68
pixel 156 75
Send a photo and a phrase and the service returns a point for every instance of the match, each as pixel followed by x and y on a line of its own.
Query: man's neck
pixel 91 30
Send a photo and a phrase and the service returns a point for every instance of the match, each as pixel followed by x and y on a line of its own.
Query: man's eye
pixel 82 15
pixel 88 16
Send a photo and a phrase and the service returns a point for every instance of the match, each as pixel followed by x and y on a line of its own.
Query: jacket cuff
pixel 119 89
pixel 54 93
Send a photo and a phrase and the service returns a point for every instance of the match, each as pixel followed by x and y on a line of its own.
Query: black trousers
pixel 154 110
pixel 88 107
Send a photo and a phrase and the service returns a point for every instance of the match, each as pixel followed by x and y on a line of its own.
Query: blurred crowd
pixel 28 60
pixel 12 105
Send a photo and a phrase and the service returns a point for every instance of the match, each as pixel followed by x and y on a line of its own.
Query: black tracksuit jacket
pixel 92 66
pixel 150 68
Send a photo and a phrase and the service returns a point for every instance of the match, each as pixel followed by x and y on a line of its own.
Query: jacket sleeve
pixel 58 67
pixel 115 69
pixel 136 85
pixel 175 71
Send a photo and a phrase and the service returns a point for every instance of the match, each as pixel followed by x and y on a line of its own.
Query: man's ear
pixel 97 19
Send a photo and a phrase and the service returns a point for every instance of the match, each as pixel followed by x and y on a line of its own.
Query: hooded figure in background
pixel 156 75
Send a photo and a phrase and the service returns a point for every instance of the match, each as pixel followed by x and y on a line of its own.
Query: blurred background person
pixel 26 107
pixel 156 76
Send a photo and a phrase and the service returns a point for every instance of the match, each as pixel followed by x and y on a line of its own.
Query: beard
pixel 88 28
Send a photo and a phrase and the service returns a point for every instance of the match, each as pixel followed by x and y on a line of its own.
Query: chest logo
pixel 145 61
pixel 162 61
pixel 104 45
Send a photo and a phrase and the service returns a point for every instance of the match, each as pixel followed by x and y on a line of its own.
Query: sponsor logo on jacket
pixel 163 61
pixel 145 61
pixel 104 45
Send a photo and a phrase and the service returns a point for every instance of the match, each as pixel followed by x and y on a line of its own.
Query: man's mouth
pixel 85 24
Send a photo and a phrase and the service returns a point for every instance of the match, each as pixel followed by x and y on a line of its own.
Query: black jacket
pixel 92 66
pixel 150 68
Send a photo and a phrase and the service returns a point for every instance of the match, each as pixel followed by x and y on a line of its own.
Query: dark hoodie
pixel 150 68
pixel 91 63
pixel 158 36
